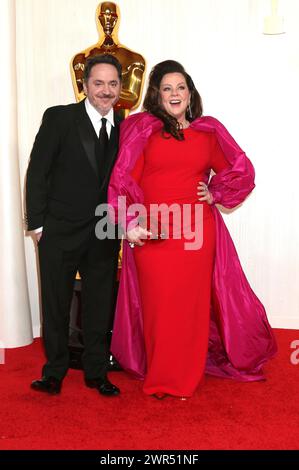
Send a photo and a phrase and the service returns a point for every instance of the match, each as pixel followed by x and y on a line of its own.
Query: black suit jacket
pixel 62 176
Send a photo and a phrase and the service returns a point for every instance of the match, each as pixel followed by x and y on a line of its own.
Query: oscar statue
pixel 133 64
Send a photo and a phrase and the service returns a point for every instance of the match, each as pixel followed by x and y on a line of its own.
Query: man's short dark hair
pixel 101 59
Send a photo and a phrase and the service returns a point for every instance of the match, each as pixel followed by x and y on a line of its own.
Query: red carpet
pixel 222 415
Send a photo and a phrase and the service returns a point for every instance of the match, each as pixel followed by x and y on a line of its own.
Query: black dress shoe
pixel 49 385
pixel 103 386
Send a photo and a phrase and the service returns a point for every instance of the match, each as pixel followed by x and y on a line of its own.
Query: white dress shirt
pixel 96 117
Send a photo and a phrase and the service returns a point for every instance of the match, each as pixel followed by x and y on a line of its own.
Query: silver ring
pixel 131 244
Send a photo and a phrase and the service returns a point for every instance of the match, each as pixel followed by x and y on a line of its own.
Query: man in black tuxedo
pixel 68 175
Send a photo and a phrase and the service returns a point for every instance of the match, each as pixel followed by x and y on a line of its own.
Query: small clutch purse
pixel 153 225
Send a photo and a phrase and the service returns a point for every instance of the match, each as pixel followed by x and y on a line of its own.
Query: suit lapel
pixel 88 139
pixel 87 136
pixel 112 152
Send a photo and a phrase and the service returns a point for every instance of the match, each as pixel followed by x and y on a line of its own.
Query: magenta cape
pixel 241 339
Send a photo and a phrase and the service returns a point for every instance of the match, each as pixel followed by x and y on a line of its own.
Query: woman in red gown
pixel 175 282
pixel 184 304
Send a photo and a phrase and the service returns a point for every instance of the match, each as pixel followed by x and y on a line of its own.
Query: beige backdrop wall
pixel 247 80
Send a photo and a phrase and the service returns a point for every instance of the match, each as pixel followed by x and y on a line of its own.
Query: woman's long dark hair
pixel 152 100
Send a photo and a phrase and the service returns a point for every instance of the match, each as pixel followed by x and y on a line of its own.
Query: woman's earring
pixel 189 111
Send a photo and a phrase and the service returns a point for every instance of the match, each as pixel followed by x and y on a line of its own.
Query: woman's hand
pixel 205 194
pixel 135 236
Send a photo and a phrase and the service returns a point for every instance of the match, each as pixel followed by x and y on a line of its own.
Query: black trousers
pixel 64 250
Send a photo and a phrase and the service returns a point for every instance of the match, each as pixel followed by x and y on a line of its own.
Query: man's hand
pixel 38 236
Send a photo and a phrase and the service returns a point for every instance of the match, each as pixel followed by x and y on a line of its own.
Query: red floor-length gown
pixel 175 283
